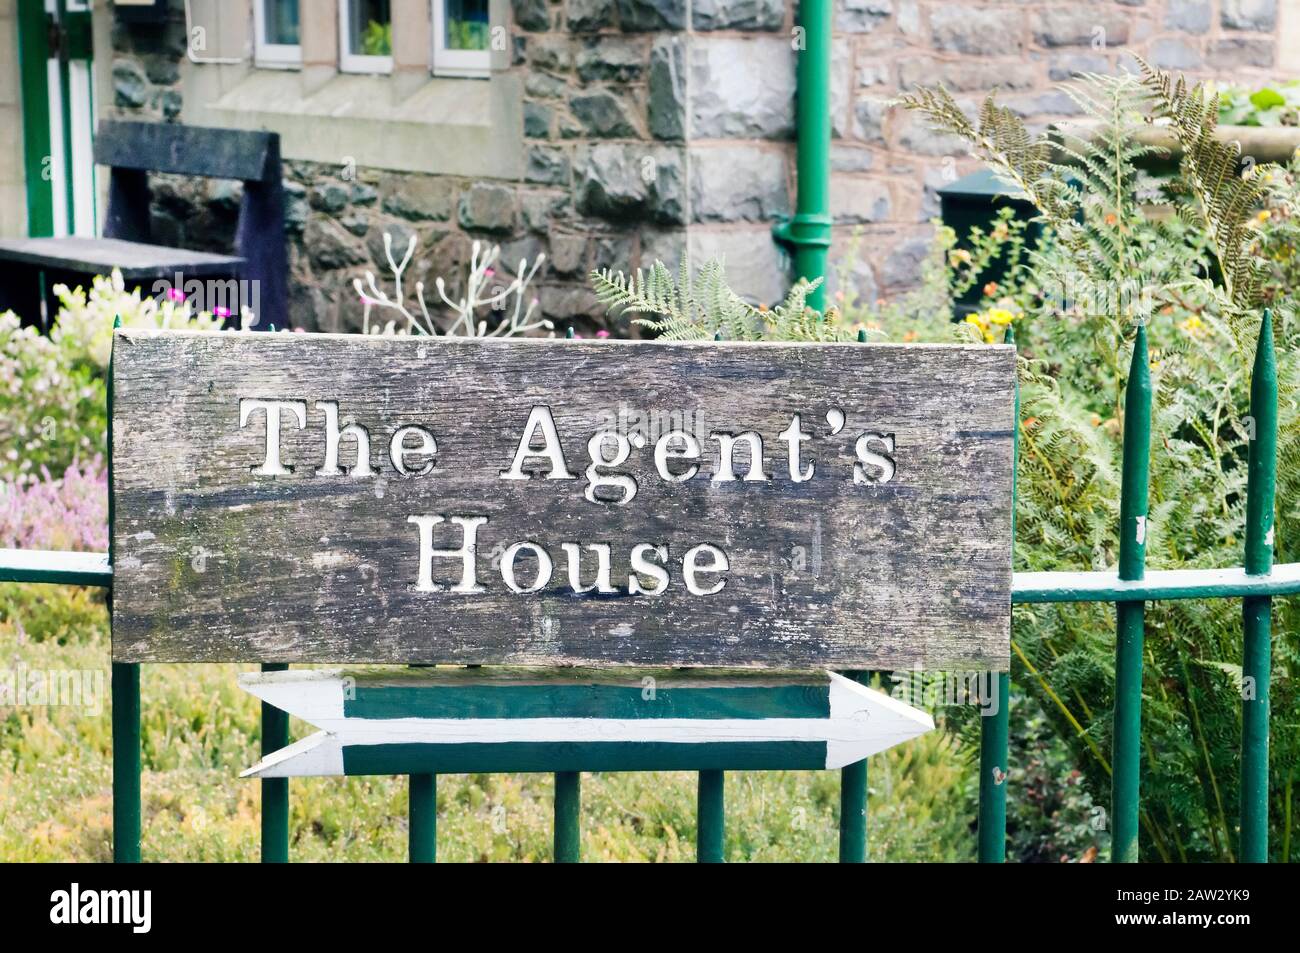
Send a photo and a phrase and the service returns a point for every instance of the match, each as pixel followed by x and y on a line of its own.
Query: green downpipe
pixel 1127 756
pixel 710 828
pixel 995 728
pixel 1256 611
pixel 568 808
pixel 275 791
pixel 808 234
pixel 422 812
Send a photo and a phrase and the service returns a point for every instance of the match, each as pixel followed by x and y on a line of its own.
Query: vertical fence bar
pixel 275 791
pixel 126 700
pixel 853 802
pixel 568 806
pixel 710 829
pixel 126 763
pixel 422 812
pixel 1257 611
pixel 853 784
pixel 568 797
pixel 995 728
pixel 1129 615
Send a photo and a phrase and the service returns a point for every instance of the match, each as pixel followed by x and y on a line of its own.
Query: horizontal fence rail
pixel 1130 587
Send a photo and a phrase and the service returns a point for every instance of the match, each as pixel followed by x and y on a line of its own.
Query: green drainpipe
pixel 809 233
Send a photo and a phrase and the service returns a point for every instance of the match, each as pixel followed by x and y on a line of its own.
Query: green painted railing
pixel 1130 588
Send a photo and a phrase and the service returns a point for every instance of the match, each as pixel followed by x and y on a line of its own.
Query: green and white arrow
pixel 453 721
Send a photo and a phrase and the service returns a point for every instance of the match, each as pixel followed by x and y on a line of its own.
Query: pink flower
pixel 176 294
pixel 602 334
pixel 221 312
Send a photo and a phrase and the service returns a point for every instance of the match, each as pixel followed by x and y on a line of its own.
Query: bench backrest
pixel 132 150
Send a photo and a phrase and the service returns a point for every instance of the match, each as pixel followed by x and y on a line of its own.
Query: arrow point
pixel 880 721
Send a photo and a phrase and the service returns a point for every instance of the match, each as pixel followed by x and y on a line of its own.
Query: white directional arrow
pixel 453 721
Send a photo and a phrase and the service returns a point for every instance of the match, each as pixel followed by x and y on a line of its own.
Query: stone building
pixel 604 133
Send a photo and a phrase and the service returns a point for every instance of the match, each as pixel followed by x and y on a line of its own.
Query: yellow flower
pixel 1193 325
pixel 1264 215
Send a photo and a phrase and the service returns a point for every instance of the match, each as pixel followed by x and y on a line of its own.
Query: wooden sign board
pixel 334 498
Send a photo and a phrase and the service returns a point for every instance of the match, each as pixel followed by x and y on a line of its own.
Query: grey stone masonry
pixel 653 127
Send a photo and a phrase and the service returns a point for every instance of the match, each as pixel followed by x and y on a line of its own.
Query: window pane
pixel 370 28
pixel 280 21
pixel 467 24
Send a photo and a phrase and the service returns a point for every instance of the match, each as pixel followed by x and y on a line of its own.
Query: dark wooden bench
pixel 29 268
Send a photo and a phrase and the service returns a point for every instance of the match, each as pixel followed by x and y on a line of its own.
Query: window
pixel 275 33
pixel 461 38
pixel 365 36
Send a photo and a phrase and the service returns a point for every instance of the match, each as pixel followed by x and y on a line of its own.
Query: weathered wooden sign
pixel 451 721
pixel 331 498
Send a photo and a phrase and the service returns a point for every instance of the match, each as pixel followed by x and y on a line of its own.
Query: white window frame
pixel 274 55
pixel 472 64
pixel 350 62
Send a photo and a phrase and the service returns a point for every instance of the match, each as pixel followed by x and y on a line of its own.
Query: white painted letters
pixel 870 458
pixel 272 465
pixel 399 450
pixel 539 419
pixel 333 436
pixel 467 551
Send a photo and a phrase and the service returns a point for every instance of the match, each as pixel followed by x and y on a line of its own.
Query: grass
pixel 199 730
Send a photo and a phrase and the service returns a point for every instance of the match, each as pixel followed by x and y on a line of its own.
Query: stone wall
pixel 888 166
pixel 604 180
pixel 651 126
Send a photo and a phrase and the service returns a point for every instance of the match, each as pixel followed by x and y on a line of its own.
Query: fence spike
pixel 1257 611
pixel 1134 498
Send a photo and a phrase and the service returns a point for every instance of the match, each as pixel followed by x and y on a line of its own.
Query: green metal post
pixel 568 805
pixel 275 791
pixel 423 816
pixel 995 728
pixel 809 232
pixel 710 821
pixel 126 702
pixel 1127 731
pixel 1256 668
pixel 853 802
pixel 126 763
